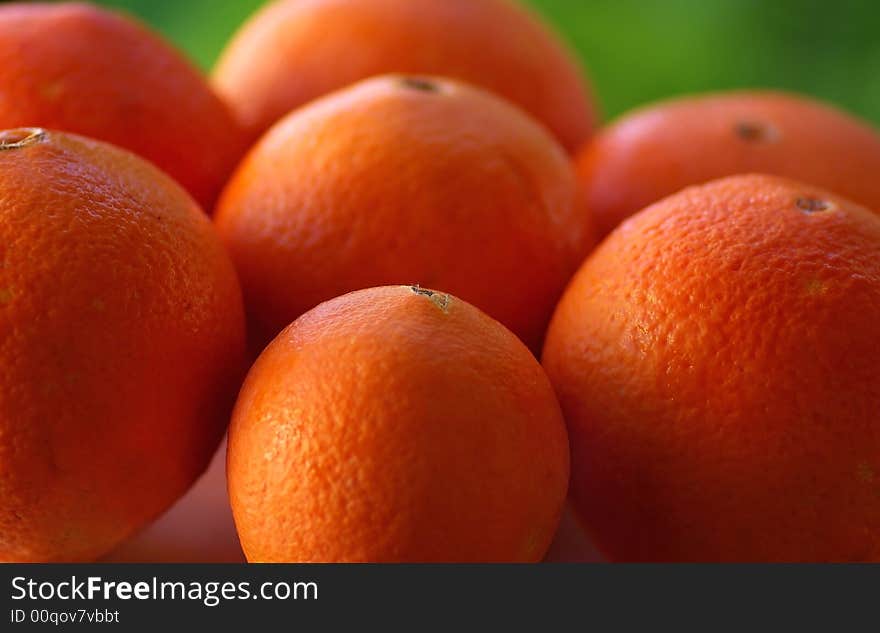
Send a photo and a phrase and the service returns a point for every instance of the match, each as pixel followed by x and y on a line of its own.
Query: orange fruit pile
pixel 707 388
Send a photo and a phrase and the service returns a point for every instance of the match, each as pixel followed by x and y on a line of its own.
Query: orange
pixel 396 425
pixel 405 180
pixel 121 342
pixel 716 361
pixel 294 51
pixel 661 149
pixel 75 67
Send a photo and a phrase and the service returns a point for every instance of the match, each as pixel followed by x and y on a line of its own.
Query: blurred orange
pixel 79 68
pixel 294 51
pixel 662 148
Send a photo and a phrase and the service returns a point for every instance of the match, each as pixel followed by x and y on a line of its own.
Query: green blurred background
pixel 641 50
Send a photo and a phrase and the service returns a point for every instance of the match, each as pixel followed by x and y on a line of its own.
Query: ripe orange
pixel 294 51
pixel 661 149
pixel 78 68
pixel 405 180
pixel 396 424
pixel 716 360
pixel 121 342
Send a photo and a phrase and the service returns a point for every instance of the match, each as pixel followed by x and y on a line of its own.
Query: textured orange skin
pixel 121 343
pixel 386 184
pixel 661 149
pixel 389 426
pixel 294 51
pixel 78 68
pixel 716 360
